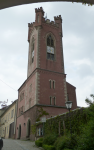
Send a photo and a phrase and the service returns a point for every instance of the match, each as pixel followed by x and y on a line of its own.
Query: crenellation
pixel 48 21
pixel 58 17
pixel 39 10
pixel 52 23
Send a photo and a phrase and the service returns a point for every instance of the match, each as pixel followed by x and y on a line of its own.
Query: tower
pixel 45 57
pixel 45 86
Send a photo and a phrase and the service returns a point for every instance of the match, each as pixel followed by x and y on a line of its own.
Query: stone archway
pixel 19 132
pixel 28 128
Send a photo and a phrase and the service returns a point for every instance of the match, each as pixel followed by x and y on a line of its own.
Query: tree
pixel 88 101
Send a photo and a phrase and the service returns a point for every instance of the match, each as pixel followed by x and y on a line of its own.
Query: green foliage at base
pixel 48 147
pixel 67 149
pixel 86 139
pixel 50 139
pixel 64 142
pixel 39 142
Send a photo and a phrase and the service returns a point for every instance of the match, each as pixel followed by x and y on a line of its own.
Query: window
pixel 50 83
pixel 21 96
pixel 50 100
pixel 50 48
pixel 29 102
pixel 32 52
pixel 54 98
pixel 30 88
pixel 21 109
pixel 38 131
pixel 41 131
pixel 12 113
pixel 53 84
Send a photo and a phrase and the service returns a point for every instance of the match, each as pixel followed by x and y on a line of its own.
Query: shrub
pixel 39 143
pixel 40 139
pixel 86 139
pixel 67 149
pixel 48 147
pixel 50 139
pixel 66 142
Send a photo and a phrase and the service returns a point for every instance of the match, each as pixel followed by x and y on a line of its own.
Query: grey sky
pixel 78 45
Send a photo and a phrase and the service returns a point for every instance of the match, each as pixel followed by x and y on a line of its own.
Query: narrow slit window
pixel 50 100
pixel 32 52
pixel 53 84
pixel 29 102
pixel 50 83
pixel 54 100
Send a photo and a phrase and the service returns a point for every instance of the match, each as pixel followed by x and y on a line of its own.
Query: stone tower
pixel 45 60
pixel 45 86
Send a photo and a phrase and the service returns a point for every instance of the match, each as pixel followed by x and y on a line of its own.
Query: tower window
pixel 54 100
pixel 50 83
pixel 53 84
pixel 32 52
pixel 30 88
pixel 29 102
pixel 50 100
pixel 50 48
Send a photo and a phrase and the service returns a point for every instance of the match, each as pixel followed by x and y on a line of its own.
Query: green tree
pixel 89 101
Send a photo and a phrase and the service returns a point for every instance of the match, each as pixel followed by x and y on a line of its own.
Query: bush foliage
pixel 48 147
pixel 39 142
pixel 50 139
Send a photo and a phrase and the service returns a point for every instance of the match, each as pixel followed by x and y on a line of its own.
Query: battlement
pixel 51 23
pixel 58 17
pixel 39 10
pixel 30 24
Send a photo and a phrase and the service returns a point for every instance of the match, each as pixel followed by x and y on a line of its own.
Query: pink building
pixel 46 84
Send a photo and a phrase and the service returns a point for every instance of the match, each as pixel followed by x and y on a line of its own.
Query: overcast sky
pixel 78 46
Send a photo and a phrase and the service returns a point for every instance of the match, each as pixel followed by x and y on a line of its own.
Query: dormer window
pixel 50 48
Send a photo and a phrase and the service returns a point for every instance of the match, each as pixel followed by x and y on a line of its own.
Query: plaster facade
pixel 8 121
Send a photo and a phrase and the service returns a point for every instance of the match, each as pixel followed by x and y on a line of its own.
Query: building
pixel 45 88
pixel 8 121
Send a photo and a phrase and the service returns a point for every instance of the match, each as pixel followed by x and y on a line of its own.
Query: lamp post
pixel 69 106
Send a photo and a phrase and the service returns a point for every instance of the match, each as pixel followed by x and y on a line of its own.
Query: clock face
pixel 50 49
